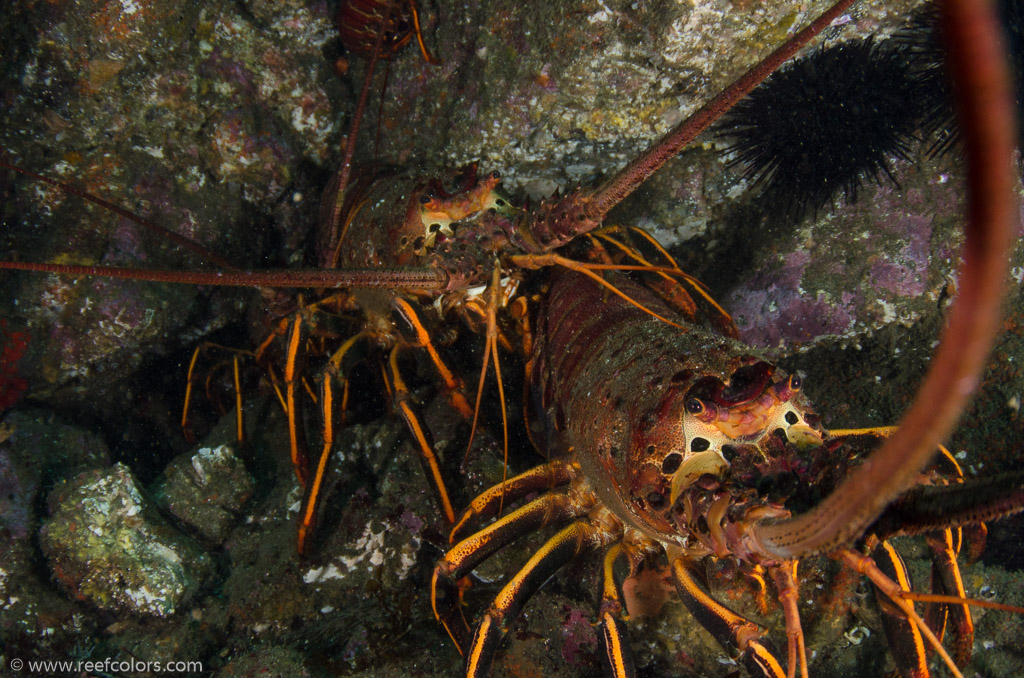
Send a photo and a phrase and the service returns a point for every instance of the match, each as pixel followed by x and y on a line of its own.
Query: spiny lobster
pixel 698 451
pixel 677 443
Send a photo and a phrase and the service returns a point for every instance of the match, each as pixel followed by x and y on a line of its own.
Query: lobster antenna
pixel 629 178
pixel 334 238
pixel 428 279
pixel 986 118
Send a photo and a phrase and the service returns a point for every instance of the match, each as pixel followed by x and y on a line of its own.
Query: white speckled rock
pixel 107 546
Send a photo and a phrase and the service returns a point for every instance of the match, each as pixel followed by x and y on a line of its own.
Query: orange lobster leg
pixel 332 414
pixel 578 538
pixel 415 332
pixel 946 580
pixel 353 351
pixel 615 638
pixel 734 633
pixel 189 382
pixel 427 56
pixel 189 435
pixel 896 593
pixel 462 558
pixel 614 633
pixel 294 359
pixel 755 573
pixel 307 518
pixel 905 641
pixel 416 335
pixel 538 479
pixel 338 368
pixel 420 434
pixel 239 414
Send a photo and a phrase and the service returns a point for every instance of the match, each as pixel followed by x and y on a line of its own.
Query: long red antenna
pixel 334 215
pixel 581 210
pixel 987 123
pixel 427 279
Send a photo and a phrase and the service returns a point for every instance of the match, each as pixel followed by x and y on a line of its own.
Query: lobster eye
pixel 795 383
pixel 424 199
pixel 694 406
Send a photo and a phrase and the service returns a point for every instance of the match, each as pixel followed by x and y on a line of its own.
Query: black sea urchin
pixel 922 41
pixel 824 124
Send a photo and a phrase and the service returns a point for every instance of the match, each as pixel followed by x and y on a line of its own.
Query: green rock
pixel 108 546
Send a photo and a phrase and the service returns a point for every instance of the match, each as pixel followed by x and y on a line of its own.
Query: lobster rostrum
pixel 677 444
pixel 455 245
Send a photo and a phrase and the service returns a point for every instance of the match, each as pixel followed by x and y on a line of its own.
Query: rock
pixel 557 94
pixel 274 661
pixel 199 116
pixel 37 621
pixel 37 449
pixel 184 643
pixel 106 545
pixel 204 490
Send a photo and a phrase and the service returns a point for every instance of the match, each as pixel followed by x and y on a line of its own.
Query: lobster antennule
pixel 986 114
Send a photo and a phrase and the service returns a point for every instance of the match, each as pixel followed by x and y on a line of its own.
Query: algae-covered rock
pixel 204 490
pixel 107 546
